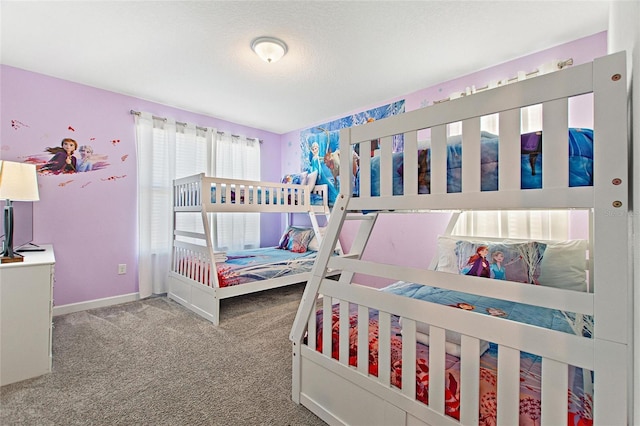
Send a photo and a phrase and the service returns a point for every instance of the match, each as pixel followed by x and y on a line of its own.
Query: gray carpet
pixel 153 362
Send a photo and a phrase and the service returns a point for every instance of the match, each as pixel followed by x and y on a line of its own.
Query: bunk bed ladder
pixel 368 221
pixel 316 228
pixel 319 271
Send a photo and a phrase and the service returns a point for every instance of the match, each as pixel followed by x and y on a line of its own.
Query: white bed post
pixel 612 254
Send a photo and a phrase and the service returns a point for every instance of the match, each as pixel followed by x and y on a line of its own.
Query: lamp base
pixel 16 258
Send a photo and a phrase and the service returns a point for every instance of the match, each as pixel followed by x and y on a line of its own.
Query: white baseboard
pixel 92 304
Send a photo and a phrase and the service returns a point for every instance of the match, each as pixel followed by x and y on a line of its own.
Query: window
pixel 168 150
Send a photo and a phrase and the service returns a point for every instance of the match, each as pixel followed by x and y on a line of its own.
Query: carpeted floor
pixel 152 362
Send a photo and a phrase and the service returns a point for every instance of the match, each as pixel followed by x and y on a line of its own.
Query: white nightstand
pixel 26 305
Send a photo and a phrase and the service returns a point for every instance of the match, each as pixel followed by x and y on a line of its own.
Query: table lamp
pixel 18 182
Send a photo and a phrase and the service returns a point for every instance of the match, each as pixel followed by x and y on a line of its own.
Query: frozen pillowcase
pixel 519 262
pixel 311 179
pixel 295 178
pixel 296 239
pixel 563 265
pixel 559 264
pixel 447 258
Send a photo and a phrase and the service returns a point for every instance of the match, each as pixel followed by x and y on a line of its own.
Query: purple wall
pixel 90 217
pixel 412 240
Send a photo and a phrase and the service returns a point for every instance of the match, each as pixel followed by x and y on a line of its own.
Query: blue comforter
pixel 534 315
pixel 262 264
pixel 580 163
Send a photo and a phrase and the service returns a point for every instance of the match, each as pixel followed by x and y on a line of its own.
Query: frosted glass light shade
pixel 18 181
pixel 269 49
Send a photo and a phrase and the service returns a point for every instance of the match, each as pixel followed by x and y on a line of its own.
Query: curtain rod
pixel 559 65
pixel 133 112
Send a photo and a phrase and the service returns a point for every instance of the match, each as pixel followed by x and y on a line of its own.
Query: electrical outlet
pixel 122 268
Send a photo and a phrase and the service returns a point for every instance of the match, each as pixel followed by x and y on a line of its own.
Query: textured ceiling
pixel 343 55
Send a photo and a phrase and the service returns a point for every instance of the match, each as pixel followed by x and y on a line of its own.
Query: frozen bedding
pixel 579 399
pixel 245 266
pixel 261 264
pixel 580 163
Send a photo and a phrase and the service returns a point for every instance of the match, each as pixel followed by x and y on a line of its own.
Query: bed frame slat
pixel 508 398
pixel 365 169
pixel 363 339
pixel 326 326
pixel 384 348
pixel 409 359
pixel 555 161
pixel 386 163
pixel 439 159
pixel 469 380
pixel 344 332
pixel 436 369
pixel 509 150
pixel 471 155
pixel 410 176
pixel 555 379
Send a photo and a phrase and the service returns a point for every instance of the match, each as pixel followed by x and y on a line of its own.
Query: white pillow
pixel 563 265
pixel 314 244
pixel 311 179
pixel 447 259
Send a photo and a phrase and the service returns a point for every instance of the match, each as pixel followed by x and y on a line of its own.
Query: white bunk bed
pixel 194 279
pixel 336 381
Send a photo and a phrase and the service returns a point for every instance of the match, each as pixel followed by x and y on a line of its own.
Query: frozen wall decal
pixel 320 145
pixel 70 156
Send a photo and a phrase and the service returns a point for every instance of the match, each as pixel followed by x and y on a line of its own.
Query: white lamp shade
pixel 18 181
pixel 269 49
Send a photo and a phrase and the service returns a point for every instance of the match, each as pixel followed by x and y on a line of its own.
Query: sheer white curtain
pixel 237 157
pixel 165 150
pixel 535 224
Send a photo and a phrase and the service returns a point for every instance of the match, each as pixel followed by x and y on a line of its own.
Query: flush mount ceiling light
pixel 269 49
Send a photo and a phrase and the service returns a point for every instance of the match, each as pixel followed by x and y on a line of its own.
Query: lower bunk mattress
pixel 245 266
pixel 580 394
